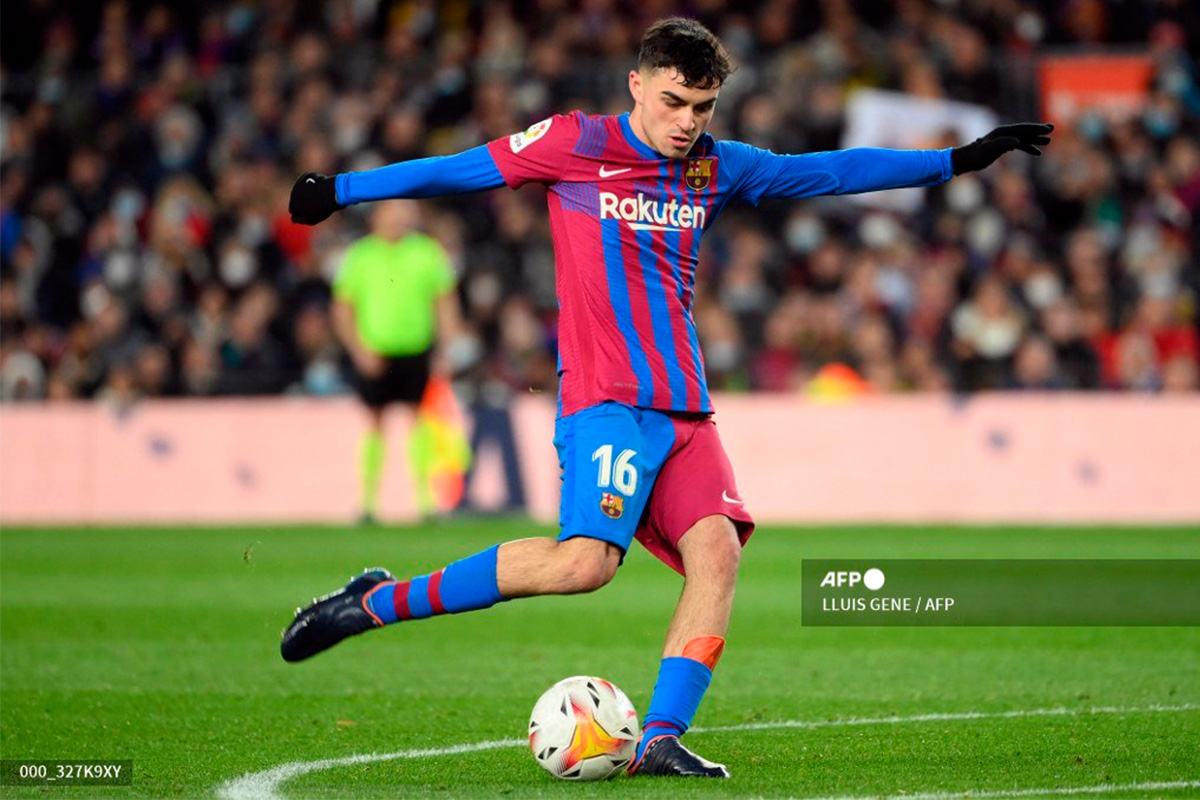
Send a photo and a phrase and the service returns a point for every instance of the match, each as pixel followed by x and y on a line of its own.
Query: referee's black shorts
pixel 403 381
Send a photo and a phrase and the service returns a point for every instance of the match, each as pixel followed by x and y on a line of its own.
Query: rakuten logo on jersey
pixel 644 214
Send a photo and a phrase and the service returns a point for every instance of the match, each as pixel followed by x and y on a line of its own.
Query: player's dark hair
pixel 687 46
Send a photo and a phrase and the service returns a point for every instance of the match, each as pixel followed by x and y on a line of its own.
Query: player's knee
pixel 591 565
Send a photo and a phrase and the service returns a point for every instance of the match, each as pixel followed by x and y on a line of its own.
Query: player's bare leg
pixel 541 565
pixel 711 553
pixel 523 568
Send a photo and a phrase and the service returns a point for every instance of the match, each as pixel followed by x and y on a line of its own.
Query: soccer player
pixel 630 197
pixel 393 301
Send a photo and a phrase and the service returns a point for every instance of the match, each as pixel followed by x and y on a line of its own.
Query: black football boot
pixel 329 619
pixel 666 755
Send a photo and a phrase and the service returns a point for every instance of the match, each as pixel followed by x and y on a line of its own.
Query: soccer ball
pixel 583 729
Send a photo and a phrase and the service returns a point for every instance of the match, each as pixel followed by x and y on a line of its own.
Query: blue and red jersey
pixel 626 223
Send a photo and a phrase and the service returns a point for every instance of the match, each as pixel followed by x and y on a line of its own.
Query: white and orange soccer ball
pixel 583 729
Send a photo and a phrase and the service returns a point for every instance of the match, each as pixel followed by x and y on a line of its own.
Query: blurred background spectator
pixel 146 152
pixel 395 312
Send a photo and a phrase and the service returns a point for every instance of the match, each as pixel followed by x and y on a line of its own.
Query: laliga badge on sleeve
pixel 519 141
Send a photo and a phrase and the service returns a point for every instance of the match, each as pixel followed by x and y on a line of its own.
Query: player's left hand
pixel 313 199
pixel 981 153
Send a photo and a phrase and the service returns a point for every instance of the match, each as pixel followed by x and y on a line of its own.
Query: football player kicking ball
pixel 629 197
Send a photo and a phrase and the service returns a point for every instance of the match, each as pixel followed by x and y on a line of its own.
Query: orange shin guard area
pixel 705 649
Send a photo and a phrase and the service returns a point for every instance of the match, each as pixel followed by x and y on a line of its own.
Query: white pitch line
pixel 264 785
pixel 970 794
pixel 965 715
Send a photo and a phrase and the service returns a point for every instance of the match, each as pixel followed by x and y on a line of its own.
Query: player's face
pixel 667 115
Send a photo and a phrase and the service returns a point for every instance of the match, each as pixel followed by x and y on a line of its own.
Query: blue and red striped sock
pixel 682 682
pixel 466 585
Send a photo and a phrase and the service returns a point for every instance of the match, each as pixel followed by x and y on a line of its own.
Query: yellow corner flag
pixel 438 449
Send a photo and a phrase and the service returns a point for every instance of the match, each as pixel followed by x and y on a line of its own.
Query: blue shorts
pixel 631 471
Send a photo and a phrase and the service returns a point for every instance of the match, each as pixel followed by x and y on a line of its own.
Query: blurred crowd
pixel 147 150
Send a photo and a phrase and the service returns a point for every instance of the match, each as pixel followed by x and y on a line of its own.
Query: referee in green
pixel 394 309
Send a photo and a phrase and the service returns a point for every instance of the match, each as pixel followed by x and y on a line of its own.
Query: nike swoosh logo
pixel 606 172
pixel 725 496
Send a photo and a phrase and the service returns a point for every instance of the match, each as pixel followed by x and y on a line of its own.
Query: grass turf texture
pixel 161 646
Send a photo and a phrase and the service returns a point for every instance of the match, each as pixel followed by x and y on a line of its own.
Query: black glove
pixel 313 199
pixel 1024 136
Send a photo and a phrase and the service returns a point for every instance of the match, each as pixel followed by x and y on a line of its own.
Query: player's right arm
pixel 315 197
pixel 537 154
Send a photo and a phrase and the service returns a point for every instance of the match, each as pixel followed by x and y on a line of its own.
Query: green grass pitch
pixel 161 646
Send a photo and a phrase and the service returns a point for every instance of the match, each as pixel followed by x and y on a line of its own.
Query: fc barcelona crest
pixel 699 173
pixel 612 505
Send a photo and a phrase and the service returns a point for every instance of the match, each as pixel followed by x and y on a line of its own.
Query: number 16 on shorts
pixel 621 475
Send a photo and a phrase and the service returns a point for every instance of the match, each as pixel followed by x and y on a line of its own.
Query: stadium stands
pixel 147 151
